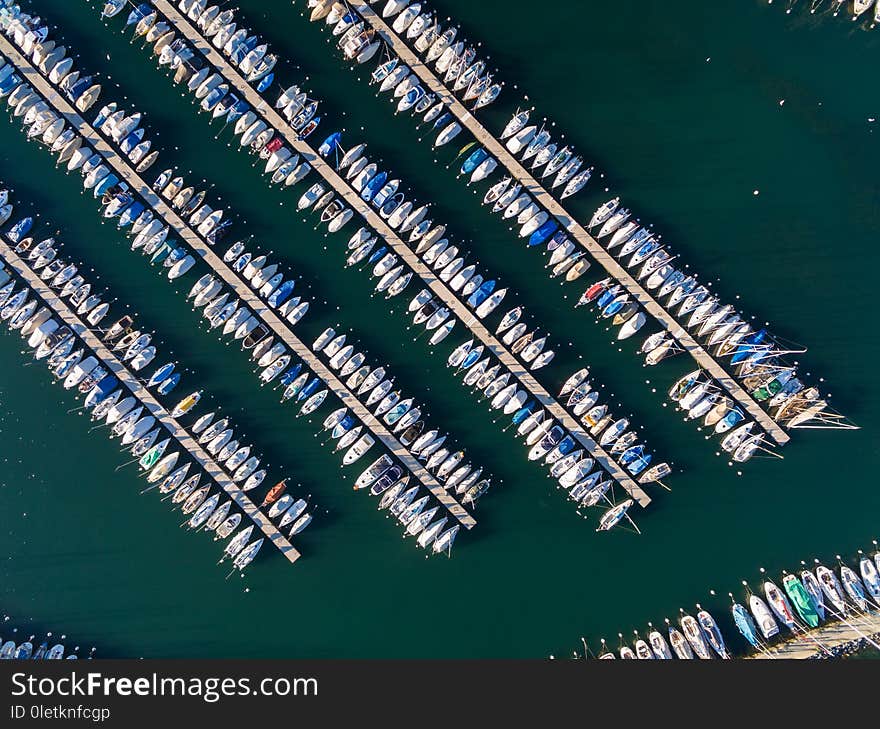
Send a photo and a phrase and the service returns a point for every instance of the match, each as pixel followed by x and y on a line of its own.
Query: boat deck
pixel 576 230
pixel 156 409
pixel 259 307
pixel 468 319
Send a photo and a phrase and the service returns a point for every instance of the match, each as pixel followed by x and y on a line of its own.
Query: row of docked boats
pixel 405 93
pixel 612 433
pixel 755 356
pixel 719 324
pixel 356 42
pixel 150 234
pixel 231 317
pixel 375 388
pixel 454 59
pixel 30 34
pixel 61 275
pixel 262 275
pixel 695 637
pixel 852 9
pixel 117 199
pixel 572 466
pixel 376 187
pixel 559 163
pixel 46 650
pixel 654 264
pixel 123 411
pixel 702 400
pixel 568 259
pixel 413 508
pixel 430 310
pixel 431 244
pixel 245 51
pixel 807 599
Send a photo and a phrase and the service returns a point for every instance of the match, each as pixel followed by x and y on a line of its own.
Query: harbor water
pixel 747 136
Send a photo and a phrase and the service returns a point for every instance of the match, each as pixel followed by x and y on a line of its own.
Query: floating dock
pixel 155 408
pixel 832 635
pixel 263 108
pixel 567 221
pixel 248 297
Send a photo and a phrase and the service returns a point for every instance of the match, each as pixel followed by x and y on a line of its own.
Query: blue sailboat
pixel 139 13
pixel 748 346
pixel 169 384
pixel 291 374
pixel 745 625
pixel 161 374
pixel 131 214
pixel 566 445
pixel 523 412
pixel 640 464
pixel 265 82
pixel 309 388
pixel 281 294
pixel 373 186
pixel 608 296
pixel 20 229
pixel 615 306
pixel 382 250
pixel 330 144
pixel 106 184
pixel 473 160
pixel 101 390
pixel 542 234
pixel 631 454
pixel 481 294
pixel 732 418
pixel 79 88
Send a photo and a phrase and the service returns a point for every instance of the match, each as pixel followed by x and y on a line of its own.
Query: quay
pixel 567 221
pixel 831 636
pixel 155 408
pixel 354 201
pixel 258 307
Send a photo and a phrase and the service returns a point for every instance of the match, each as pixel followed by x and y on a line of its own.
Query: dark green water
pixel 681 107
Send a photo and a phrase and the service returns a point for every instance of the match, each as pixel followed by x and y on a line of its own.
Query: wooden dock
pixel 830 635
pixel 258 307
pixel 155 408
pixel 576 230
pixel 527 381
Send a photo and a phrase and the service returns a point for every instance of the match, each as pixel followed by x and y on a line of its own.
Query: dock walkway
pixel 831 636
pixel 248 297
pixel 566 220
pixel 234 78
pixel 155 408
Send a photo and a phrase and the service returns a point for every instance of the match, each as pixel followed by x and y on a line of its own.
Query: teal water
pixel 681 109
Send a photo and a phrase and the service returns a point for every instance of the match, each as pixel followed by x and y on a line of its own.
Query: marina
pixel 639 294
pixel 688 130
pixel 816 611
pixel 451 302
pixel 45 648
pixel 160 414
pixel 864 13
pixel 281 328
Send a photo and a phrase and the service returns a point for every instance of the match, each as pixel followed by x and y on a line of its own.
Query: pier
pixel 576 230
pixel 155 408
pixel 528 382
pixel 258 307
pixel 831 636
